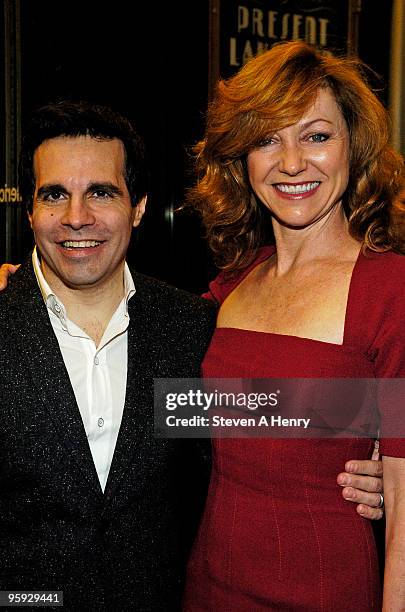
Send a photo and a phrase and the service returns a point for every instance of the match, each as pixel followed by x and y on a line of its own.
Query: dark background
pixel 149 60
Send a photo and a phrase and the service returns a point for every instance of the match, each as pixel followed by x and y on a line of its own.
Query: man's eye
pixel 318 137
pixel 101 193
pixel 53 196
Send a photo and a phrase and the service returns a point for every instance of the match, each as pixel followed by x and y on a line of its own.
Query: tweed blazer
pixel 125 548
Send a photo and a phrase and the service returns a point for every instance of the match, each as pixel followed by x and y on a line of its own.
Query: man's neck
pixel 91 308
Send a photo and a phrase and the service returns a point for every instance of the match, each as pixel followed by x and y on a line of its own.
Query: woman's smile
pixel 296 191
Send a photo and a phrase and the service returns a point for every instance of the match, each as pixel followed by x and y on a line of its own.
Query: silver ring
pixel 381 504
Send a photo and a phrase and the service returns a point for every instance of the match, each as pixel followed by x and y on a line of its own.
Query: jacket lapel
pixel 35 336
pixel 137 420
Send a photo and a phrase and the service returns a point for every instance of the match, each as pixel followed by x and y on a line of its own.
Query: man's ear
pixel 29 215
pixel 139 211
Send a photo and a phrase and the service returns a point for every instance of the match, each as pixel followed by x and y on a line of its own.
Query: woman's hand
pixel 5 271
pixel 362 483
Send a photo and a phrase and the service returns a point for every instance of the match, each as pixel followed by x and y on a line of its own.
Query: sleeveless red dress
pixel 276 533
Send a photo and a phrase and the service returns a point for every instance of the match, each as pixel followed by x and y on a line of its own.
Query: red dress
pixel 276 533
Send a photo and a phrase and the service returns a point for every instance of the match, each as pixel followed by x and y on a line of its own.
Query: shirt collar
pixel 56 305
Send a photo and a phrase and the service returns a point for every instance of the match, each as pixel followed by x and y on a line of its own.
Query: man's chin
pixel 78 278
pixel 83 281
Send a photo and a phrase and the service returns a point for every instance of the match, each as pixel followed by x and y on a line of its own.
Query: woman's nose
pixel 292 159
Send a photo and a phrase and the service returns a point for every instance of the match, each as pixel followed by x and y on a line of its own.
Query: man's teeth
pixel 80 244
pixel 296 189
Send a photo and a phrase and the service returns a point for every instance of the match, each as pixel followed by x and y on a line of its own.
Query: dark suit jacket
pixel 126 548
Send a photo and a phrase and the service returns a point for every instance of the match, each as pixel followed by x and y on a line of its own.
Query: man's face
pixel 82 216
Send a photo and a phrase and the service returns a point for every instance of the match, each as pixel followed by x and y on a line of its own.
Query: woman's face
pixel 301 172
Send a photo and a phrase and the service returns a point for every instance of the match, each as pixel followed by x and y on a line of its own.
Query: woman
pixel 296 154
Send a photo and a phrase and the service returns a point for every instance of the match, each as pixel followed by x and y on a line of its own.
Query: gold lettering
pixel 274 25
pixel 297 20
pixel 9 194
pixel 243 18
pixel 323 37
pixel 284 26
pixel 272 20
pixel 247 52
pixel 233 61
pixel 310 30
pixel 257 25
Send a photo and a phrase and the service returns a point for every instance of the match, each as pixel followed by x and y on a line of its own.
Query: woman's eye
pixel 318 137
pixel 266 142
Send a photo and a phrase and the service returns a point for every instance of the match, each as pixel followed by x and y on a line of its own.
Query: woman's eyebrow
pixel 309 123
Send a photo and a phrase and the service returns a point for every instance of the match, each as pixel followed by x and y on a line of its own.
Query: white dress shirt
pixel 98 374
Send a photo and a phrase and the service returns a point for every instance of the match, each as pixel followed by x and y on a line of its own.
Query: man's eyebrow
pixel 48 187
pixel 108 187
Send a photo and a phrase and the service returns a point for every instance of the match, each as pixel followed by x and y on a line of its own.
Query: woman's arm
pixel 394 575
pixel 5 271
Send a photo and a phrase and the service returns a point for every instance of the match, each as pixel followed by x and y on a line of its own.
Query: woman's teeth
pixel 297 189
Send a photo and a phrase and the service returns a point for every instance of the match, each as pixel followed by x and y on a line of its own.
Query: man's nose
pixel 292 159
pixel 77 213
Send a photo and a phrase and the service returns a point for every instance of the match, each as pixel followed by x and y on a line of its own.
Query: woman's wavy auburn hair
pixel 270 92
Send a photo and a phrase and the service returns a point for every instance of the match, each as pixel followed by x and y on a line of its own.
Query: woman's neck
pixel 328 238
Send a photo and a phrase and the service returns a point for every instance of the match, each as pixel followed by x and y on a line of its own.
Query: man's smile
pixel 80 244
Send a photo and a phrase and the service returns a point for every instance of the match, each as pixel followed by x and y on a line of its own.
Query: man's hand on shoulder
pixel 5 271
pixel 362 483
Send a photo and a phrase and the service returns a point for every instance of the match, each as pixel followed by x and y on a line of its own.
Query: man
pixel 90 503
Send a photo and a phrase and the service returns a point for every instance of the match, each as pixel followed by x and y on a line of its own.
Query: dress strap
pixel 225 283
